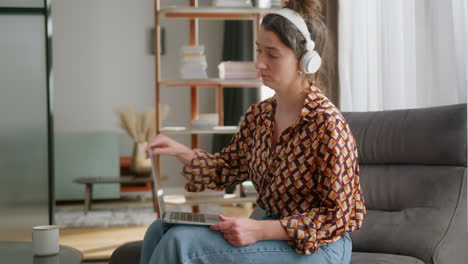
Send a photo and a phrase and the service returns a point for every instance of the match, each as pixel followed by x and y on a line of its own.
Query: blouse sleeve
pixel 228 167
pixel 336 183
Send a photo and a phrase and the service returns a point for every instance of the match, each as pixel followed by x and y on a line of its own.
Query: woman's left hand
pixel 239 231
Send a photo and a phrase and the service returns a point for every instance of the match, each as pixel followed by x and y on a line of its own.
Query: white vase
pixel 140 163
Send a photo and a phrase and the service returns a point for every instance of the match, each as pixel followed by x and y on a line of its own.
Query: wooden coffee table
pixel 21 253
pixel 90 181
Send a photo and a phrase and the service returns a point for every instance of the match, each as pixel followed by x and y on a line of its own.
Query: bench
pixel 89 181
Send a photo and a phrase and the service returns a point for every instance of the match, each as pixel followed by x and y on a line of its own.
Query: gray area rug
pixel 118 215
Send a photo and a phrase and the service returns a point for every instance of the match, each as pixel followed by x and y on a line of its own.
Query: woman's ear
pixel 298 68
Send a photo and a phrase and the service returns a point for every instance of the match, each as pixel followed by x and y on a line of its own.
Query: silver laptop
pixel 178 217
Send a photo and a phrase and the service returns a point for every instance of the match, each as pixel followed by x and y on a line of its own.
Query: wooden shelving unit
pixel 193 13
pixel 247 83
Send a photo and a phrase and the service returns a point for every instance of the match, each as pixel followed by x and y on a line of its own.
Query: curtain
pixel 402 53
pixel 238 46
pixel 333 82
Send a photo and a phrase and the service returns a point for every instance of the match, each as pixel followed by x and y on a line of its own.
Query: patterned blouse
pixel 310 179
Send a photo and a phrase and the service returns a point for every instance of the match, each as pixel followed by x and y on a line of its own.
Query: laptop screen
pixel 157 187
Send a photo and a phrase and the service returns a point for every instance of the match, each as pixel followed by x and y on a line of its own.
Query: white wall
pixel 101 61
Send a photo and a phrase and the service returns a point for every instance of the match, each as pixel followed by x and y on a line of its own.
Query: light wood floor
pixel 99 243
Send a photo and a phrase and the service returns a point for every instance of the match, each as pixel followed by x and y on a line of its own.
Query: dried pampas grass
pixel 140 127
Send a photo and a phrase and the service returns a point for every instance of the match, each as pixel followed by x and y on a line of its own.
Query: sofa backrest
pixel 413 174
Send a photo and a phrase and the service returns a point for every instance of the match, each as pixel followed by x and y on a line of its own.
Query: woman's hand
pixel 239 231
pixel 163 145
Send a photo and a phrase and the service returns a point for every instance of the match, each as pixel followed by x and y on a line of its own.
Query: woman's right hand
pixel 163 145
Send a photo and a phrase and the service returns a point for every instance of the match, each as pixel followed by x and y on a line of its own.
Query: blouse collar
pixel 312 101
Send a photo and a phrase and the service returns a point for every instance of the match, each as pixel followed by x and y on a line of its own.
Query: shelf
pixel 193 14
pixel 187 131
pixel 215 12
pixel 243 83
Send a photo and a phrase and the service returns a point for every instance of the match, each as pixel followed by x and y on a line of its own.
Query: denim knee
pixel 153 235
pixel 156 225
pixel 179 235
pixel 188 242
pixel 175 246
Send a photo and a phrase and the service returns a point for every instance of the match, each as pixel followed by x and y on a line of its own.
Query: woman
pixel 295 147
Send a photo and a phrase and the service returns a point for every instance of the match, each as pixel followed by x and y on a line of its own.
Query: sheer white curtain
pixel 402 53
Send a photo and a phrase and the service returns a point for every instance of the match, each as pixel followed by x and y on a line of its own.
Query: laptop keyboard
pixel 182 216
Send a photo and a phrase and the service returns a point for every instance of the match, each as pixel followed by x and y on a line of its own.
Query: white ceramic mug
pixel 45 240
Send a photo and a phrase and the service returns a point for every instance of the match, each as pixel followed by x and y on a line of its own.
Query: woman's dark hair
pixel 311 12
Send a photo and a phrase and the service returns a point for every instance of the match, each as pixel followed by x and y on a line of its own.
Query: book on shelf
pixel 193 62
pixel 275 3
pixel 237 70
pixel 193 71
pixel 193 50
pixel 232 3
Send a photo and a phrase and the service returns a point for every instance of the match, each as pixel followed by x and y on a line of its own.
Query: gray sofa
pixel 413 174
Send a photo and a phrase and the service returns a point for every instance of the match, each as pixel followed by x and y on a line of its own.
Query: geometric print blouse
pixel 310 179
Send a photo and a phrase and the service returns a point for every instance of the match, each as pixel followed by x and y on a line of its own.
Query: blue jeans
pixel 190 244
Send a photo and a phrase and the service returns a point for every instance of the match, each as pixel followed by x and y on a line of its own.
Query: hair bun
pixel 305 7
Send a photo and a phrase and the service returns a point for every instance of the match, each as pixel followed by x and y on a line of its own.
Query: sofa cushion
pixel 397 187
pixel 434 135
pixel 410 208
pixel 378 258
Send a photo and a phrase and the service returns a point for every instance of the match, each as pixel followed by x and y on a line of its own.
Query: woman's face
pixel 276 63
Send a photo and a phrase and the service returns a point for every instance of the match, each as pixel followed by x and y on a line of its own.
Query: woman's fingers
pixel 158 141
pixel 229 236
pixel 225 218
pixel 158 145
pixel 235 242
pixel 162 151
pixel 158 149
pixel 223 226
pixel 161 145
pixel 237 231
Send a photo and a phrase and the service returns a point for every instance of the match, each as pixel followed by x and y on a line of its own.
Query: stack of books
pixel 193 63
pixel 275 3
pixel 232 3
pixel 237 70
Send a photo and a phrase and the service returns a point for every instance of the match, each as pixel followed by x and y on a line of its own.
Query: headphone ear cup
pixel 310 62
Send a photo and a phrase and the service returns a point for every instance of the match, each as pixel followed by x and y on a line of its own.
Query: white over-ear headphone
pixel 310 61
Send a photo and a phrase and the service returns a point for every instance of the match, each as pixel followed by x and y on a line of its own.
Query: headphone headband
pixel 298 21
pixel 310 61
